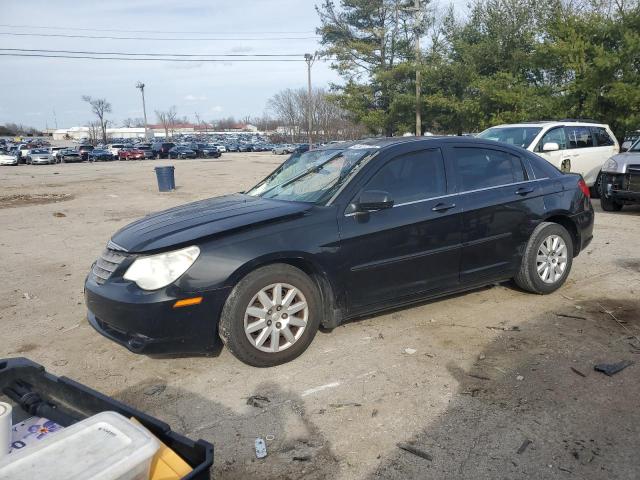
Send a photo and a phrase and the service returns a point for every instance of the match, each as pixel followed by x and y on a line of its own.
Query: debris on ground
pixel 27 295
pixel 407 447
pixel 519 378
pixel 479 377
pixel 302 458
pixel 155 390
pixel 610 369
pixel 577 372
pixel 566 315
pixel 524 446
pixel 59 214
pixel 515 328
pixel 261 448
pixel 410 351
pixel 339 406
pixel 482 356
pixel 258 401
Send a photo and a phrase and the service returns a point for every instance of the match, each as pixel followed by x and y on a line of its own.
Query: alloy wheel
pixel 276 317
pixel 551 261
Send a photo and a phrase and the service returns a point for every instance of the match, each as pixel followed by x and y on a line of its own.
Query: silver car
pixel 7 158
pixel 620 183
pixel 40 156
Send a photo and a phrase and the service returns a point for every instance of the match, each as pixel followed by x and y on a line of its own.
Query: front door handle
pixel 524 191
pixel 443 207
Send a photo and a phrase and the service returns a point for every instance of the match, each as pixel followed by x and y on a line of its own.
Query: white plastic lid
pixel 103 447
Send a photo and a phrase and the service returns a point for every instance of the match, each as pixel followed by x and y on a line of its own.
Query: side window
pixel 579 137
pixel 555 135
pixel 484 168
pixel 602 137
pixel 410 177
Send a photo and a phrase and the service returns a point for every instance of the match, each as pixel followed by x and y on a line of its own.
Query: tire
pixel 595 190
pixel 528 277
pixel 245 295
pixel 607 203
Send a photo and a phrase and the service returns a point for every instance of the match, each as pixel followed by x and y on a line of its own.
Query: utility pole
pixel 418 20
pixel 309 59
pixel 140 85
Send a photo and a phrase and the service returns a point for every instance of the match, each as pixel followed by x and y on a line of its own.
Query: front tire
pixel 607 203
pixel 547 259
pixel 271 316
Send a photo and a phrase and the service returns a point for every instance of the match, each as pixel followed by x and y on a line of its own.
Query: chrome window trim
pixel 458 193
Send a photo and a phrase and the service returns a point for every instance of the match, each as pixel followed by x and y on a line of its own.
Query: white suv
pixel 570 145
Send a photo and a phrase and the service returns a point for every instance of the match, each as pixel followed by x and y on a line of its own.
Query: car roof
pixel 544 123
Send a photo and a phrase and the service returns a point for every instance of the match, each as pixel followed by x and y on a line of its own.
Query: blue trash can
pixel 166 178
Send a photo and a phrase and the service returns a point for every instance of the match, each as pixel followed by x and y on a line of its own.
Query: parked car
pixel 131 154
pixel 211 151
pixel 22 151
pixel 232 147
pixel 182 152
pixel 40 156
pixel 115 148
pixel 283 149
pixel 100 155
pixel 84 150
pixel 571 146
pixel 146 148
pixel 68 156
pixel 7 158
pixel 54 151
pixel 620 183
pixel 161 149
pixel 336 233
pixel 221 148
pixel 629 139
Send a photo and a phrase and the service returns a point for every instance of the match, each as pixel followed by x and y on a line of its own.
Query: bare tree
pixel 100 107
pixel 94 132
pixel 133 122
pixel 168 120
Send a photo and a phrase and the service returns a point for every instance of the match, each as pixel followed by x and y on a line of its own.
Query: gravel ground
pixel 470 379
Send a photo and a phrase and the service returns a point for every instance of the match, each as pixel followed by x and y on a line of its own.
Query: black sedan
pixel 68 156
pixel 336 233
pixel 99 155
pixel 182 152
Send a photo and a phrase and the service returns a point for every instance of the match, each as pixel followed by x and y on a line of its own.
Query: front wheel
pixel 271 316
pixel 547 259
pixel 607 203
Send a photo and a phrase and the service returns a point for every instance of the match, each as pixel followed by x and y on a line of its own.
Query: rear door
pixel 499 198
pixel 585 154
pixel 557 158
pixel 410 248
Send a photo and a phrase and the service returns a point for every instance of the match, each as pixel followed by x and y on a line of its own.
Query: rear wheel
pixel 547 260
pixel 271 316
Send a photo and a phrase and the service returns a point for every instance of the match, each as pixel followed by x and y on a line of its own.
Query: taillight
pixel 584 188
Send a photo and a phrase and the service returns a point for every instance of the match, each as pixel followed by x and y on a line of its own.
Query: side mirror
pixel 372 200
pixel 550 147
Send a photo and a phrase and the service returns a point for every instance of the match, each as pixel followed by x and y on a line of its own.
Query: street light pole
pixel 309 59
pixel 418 20
pixel 140 85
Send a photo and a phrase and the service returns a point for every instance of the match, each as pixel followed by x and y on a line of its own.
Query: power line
pixel 80 52
pixel 156 59
pixel 150 31
pixel 109 37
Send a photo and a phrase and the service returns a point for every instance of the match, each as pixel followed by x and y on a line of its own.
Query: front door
pixel 410 248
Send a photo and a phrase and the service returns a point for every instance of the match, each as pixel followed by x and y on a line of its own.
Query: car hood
pixel 623 160
pixel 190 222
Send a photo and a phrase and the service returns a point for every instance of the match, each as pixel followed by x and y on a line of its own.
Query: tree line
pixel 506 61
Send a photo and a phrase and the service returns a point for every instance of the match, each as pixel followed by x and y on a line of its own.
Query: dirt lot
pixel 491 368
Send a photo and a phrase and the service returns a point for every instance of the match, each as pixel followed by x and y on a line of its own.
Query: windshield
pixel 520 136
pixel 40 151
pixel 635 147
pixel 312 176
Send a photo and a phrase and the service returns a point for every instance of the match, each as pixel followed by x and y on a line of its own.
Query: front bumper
pixel 146 322
pixel 622 187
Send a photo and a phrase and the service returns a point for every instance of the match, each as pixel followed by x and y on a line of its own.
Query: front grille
pixel 106 264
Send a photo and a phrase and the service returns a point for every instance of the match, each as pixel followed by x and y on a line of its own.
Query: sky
pixel 46 92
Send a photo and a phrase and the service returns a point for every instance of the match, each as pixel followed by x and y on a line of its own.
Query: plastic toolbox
pixel 78 402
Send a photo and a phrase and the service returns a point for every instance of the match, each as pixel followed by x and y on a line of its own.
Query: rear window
pixel 485 168
pixel 602 137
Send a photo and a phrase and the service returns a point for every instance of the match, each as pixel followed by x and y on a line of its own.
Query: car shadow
pixel 532 406
pixel 296 447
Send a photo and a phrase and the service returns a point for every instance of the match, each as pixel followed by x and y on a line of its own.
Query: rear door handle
pixel 443 207
pixel 524 190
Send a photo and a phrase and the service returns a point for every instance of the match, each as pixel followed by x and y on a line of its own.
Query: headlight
pixel 157 271
pixel 610 165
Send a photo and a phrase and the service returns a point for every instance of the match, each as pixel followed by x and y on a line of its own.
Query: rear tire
pixel 541 272
pixel 253 304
